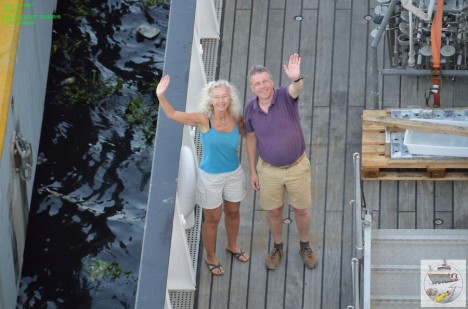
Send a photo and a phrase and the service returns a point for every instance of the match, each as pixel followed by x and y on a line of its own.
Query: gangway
pixel 398 267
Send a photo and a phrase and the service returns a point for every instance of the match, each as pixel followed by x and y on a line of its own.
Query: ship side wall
pixel 24 97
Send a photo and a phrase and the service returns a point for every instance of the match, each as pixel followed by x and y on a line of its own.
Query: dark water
pixel 89 203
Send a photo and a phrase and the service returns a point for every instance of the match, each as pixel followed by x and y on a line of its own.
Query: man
pixel 274 132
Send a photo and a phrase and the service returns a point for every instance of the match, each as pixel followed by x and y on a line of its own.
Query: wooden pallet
pixel 377 164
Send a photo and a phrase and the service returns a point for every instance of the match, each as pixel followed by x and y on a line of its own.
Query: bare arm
pixel 251 144
pixel 190 119
pixel 293 71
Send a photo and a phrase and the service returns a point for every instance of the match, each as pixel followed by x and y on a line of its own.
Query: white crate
pixel 437 144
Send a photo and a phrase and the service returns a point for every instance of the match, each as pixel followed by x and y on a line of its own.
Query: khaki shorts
pixel 276 181
pixel 212 189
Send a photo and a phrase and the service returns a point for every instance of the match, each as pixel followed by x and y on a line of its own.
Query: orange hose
pixel 436 38
pixel 436 34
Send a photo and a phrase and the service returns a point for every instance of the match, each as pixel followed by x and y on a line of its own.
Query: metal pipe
pixel 430 9
pixel 375 78
pixel 367 280
pixel 464 55
pixel 358 246
pixel 411 60
pixel 419 62
pixel 356 285
pixel 407 4
pixel 384 23
pixel 418 39
pixel 414 72
pixel 396 47
pixel 374 60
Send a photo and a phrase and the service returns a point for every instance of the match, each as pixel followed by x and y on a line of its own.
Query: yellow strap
pixel 10 15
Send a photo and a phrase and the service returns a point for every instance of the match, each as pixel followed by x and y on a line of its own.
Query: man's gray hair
pixel 258 69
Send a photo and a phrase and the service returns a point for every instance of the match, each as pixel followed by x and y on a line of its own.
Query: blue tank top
pixel 220 150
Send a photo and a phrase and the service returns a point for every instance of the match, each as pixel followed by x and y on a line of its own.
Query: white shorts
pixel 213 188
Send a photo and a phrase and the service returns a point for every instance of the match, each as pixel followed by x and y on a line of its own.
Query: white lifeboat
pixel 181 271
pixel 187 179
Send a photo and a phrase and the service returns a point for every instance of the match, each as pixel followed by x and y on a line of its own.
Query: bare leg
pixel 275 219
pixel 209 231
pixel 232 221
pixel 302 222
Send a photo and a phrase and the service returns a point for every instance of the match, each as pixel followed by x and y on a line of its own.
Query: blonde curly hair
pixel 206 96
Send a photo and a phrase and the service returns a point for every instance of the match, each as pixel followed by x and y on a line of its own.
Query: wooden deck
pixel 333 40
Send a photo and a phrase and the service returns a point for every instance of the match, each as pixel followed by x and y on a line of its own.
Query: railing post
pixel 367 261
pixel 358 247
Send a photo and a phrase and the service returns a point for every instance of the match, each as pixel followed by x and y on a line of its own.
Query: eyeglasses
pixel 217 97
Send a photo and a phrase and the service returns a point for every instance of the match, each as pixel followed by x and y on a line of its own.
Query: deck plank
pixel 324 53
pixel 238 62
pixel 226 40
pixel 332 260
pixel 243 4
pixel 277 4
pixel 292 33
pixel 425 205
pixel 388 206
pixel 258 34
pixel 293 42
pixel 460 209
pixel 444 203
pixel 358 51
pixel 274 60
pixel 308 45
pixel 318 154
pixel 406 204
pixel 337 122
pixel 260 230
pixel 240 272
pixel 343 4
pixel 274 52
pixel 259 249
pixel 310 5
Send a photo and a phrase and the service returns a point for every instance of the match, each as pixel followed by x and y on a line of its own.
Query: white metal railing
pixel 164 223
pixel 357 207
pixel 182 272
pixel 367 262
pixel 361 268
pixel 358 248
pixel 355 267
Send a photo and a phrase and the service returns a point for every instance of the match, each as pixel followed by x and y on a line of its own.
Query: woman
pixel 220 177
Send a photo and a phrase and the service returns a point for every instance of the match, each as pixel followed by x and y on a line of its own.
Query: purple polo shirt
pixel 280 140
